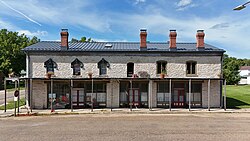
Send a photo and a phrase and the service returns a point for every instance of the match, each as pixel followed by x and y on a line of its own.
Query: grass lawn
pixel 238 96
pixel 10 104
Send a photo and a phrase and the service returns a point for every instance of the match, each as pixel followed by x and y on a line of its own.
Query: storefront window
pixel 61 95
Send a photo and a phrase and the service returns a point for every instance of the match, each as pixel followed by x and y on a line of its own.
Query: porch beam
pixel 225 96
pixel 208 96
pixel 189 95
pixel 170 94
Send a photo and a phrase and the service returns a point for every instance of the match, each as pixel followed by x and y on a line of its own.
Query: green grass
pixel 10 104
pixel 238 96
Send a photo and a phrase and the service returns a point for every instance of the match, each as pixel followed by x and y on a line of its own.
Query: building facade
pixel 245 75
pixel 124 74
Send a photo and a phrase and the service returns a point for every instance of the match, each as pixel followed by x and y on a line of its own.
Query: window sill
pixel 192 75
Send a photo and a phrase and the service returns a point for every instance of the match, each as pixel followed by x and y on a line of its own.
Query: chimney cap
pixel 172 30
pixel 143 30
pixel 200 30
pixel 64 30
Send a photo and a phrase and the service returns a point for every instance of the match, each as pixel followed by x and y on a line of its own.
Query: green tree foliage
pixel 231 66
pixel 11 56
pixel 83 39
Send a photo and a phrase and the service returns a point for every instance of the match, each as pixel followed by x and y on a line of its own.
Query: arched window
pixel 191 67
pixel 161 67
pixel 103 65
pixel 50 65
pixel 76 65
pixel 130 69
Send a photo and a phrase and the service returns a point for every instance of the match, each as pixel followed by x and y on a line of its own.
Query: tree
pixel 231 67
pixel 83 39
pixel 11 56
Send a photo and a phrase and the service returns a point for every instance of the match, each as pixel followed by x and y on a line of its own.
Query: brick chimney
pixel 172 42
pixel 200 40
pixel 64 39
pixel 143 36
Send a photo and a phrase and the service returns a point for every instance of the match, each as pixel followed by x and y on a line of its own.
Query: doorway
pixel 78 97
pixel 179 98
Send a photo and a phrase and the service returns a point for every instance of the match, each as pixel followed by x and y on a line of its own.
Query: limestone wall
pixel 207 66
pixel 39 94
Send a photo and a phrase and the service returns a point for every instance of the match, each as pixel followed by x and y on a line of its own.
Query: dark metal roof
pixel 116 46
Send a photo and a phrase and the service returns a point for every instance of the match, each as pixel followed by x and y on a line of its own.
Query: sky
pixel 121 20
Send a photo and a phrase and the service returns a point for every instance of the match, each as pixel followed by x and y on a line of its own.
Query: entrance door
pixel 78 97
pixel 179 98
pixel 134 97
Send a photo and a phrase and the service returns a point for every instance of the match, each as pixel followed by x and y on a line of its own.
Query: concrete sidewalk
pixel 24 112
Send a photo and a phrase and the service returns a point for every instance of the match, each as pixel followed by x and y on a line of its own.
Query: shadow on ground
pixel 235 103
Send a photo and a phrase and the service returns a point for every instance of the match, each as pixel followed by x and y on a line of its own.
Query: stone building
pixel 123 74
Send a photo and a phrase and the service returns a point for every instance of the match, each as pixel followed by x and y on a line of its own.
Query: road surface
pixel 128 127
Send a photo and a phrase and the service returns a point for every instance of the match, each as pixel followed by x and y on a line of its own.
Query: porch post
pixel 111 105
pixel 71 95
pixel 150 95
pixel 31 89
pixel 130 102
pixel 92 101
pixel 51 92
pixel 225 96
pixel 5 95
pixel 18 102
pixel 170 94
pixel 189 95
pixel 208 96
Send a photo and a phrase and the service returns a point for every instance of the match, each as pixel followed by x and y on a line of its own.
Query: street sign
pixel 16 93
pixel 15 98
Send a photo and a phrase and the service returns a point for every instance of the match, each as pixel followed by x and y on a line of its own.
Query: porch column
pixel 111 104
pixel 5 95
pixel 51 92
pixel 189 95
pixel 170 94
pixel 18 102
pixel 130 102
pixel 208 96
pixel 92 101
pixel 150 95
pixel 225 97
pixel 31 89
pixel 71 95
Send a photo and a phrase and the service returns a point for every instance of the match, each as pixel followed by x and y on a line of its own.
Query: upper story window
pixel 103 65
pixel 161 67
pixel 50 65
pixel 130 69
pixel 191 67
pixel 76 65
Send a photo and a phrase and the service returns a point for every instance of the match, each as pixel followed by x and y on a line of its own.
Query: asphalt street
pixel 162 127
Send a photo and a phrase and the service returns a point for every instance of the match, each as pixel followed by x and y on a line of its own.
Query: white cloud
pixel 139 1
pixel 183 3
pixel 19 12
pixel 29 33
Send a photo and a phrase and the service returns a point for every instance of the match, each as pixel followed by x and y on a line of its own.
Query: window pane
pixel 158 67
pixel 193 68
pixel 188 68
pixel 130 69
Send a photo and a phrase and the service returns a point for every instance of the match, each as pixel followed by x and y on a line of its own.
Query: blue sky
pixel 121 20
